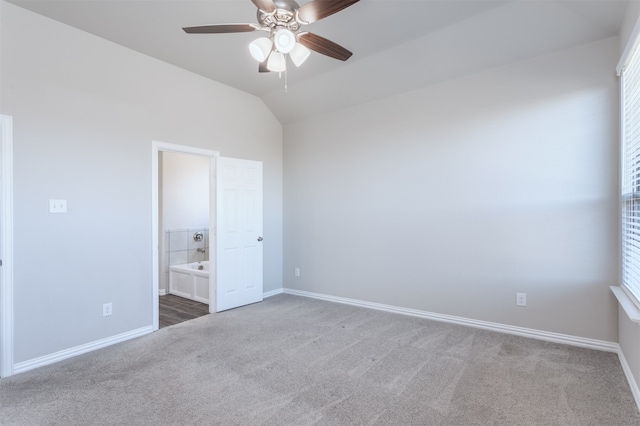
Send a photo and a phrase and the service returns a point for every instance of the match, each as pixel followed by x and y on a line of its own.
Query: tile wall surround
pixel 181 248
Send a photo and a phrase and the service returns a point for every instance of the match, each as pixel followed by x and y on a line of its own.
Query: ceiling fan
pixel 283 20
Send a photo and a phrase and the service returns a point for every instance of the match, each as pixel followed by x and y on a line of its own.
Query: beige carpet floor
pixel 299 361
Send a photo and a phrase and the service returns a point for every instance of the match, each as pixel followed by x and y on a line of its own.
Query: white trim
pixel 79 350
pixel 635 390
pixel 213 242
pixel 630 296
pixel 99 344
pixel 155 243
pixel 620 174
pixel 6 249
pixel 184 149
pixel 156 147
pixel 272 293
pixel 501 328
pixel 625 300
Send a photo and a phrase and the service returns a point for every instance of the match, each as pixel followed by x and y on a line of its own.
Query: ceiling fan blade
pixel 221 29
pixel 265 5
pixel 263 67
pixel 318 9
pixel 324 46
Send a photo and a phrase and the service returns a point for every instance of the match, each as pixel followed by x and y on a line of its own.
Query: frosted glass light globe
pixel 277 62
pixel 299 54
pixel 284 40
pixel 260 48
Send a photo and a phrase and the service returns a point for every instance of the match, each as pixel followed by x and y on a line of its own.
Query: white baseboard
pixel 272 293
pixel 635 390
pixel 601 345
pixel 21 367
pixel 92 346
pixel 502 328
pixel 162 292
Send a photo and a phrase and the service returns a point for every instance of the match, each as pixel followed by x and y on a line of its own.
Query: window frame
pixel 630 174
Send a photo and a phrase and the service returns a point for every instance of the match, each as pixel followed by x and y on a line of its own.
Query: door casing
pixel 6 247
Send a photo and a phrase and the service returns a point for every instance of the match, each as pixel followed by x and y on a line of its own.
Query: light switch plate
pixel 57 206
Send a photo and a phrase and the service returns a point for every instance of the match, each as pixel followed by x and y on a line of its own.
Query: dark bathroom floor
pixel 176 309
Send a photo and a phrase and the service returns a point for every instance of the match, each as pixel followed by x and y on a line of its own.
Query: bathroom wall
pixel 181 247
pixel 184 210
pixel 185 190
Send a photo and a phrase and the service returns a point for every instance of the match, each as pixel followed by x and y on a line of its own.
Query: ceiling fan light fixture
pixel 260 48
pixel 283 21
pixel 284 40
pixel 277 62
pixel 299 54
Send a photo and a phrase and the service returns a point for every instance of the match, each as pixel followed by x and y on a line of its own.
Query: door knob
pixel 260 238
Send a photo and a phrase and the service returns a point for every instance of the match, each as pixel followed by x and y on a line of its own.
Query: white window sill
pixel 627 303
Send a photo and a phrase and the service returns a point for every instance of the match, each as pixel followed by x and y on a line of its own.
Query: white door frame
pixel 156 147
pixel 6 248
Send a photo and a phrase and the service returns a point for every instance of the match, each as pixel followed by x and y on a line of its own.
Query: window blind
pixel 631 174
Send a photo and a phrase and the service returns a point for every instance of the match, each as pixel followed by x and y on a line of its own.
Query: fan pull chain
pixel 286 76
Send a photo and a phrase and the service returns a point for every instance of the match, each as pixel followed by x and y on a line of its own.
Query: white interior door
pixel 238 233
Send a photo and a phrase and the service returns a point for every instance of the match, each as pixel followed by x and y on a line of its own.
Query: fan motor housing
pixel 282 17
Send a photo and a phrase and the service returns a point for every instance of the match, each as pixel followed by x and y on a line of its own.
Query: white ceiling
pixel 397 45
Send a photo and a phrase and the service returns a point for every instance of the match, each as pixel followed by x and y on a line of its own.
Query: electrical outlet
pixel 107 309
pixel 57 206
pixel 521 299
pixel 296 272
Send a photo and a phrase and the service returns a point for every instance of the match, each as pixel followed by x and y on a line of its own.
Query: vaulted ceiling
pixel 397 45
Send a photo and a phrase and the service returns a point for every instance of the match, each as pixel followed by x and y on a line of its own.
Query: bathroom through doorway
pixel 235 247
pixel 183 233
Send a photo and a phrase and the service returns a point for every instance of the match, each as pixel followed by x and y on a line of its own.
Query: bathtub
pixel 190 281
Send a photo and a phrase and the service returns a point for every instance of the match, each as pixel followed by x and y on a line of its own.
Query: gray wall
pixel 630 20
pixel 447 199
pixel 85 113
pixel 452 198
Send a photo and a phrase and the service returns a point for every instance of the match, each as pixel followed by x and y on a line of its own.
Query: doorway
pixel 183 232
pixel 235 229
pixel 158 149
